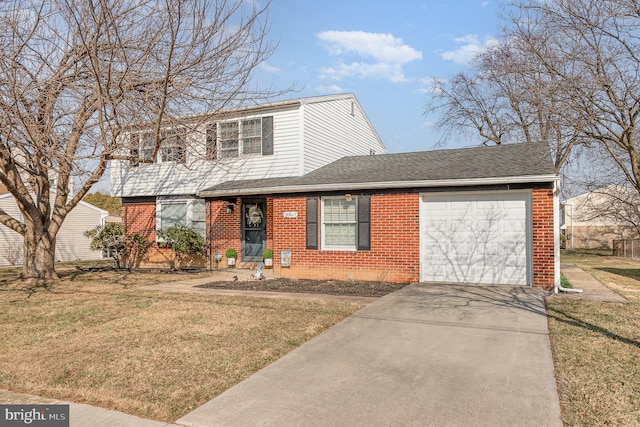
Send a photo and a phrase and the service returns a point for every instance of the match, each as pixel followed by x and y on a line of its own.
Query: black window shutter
pixel 267 135
pixel 364 223
pixel 212 149
pixel 312 223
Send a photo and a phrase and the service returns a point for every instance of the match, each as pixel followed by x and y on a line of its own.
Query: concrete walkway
pixel 441 355
pixel 591 287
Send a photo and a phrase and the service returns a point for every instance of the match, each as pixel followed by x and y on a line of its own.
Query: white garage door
pixel 475 238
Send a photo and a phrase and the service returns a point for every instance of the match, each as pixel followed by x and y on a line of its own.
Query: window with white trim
pixel 189 212
pixel 251 136
pixel 142 145
pixel 339 223
pixel 228 141
pixel 173 146
pixel 239 137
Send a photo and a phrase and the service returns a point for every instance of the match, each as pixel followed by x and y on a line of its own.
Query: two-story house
pixel 309 179
pixel 282 139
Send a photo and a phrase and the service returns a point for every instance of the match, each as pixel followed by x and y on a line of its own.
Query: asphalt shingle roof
pixel 503 161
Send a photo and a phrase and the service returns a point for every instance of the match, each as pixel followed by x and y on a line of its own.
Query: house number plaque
pixel 291 214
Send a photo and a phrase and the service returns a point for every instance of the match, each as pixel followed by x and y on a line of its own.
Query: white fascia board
pixel 381 185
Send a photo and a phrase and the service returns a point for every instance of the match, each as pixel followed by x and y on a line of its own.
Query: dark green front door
pixel 254 229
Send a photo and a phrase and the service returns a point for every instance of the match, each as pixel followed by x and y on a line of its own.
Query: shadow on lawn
pixel 632 273
pixel 564 317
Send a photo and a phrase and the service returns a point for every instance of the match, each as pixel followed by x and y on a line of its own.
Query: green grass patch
pixel 564 282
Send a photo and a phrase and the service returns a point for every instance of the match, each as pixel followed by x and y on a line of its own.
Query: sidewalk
pixel 591 287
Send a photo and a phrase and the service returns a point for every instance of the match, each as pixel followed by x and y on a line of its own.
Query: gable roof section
pixel 514 163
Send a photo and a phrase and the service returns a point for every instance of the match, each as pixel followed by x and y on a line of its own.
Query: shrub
pixel 231 253
pixel 124 248
pixel 267 253
pixel 182 239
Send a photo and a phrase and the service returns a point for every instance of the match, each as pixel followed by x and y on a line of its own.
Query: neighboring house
pixel 283 139
pixel 472 215
pixel 594 220
pixel 71 244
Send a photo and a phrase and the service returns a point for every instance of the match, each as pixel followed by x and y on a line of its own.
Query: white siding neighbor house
pixel 71 244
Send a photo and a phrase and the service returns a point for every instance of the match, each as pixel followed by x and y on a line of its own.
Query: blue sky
pixel 385 52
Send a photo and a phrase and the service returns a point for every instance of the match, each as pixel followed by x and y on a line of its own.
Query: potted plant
pixel 267 254
pixel 231 254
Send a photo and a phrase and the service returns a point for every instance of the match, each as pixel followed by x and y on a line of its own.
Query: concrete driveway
pixel 429 354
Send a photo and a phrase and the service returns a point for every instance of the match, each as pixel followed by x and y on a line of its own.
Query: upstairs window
pixel 239 137
pixel 172 147
pixel 228 141
pixel 251 136
pixel 142 145
pixel 147 145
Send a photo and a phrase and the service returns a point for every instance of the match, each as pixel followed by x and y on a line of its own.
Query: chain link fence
pixel 626 248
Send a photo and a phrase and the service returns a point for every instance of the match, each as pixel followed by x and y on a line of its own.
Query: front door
pixel 254 229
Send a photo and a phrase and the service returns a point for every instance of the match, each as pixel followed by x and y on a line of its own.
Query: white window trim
pixel 240 152
pixel 160 200
pixel 323 245
pixel 181 136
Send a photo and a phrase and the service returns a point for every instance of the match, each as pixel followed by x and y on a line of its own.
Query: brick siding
pixel 395 242
pixel 395 238
pixel 543 238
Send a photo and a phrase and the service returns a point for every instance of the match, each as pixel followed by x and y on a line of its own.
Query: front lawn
pixel 98 338
pixel 596 346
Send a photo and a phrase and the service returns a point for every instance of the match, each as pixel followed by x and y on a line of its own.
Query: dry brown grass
pixel 98 338
pixel 596 347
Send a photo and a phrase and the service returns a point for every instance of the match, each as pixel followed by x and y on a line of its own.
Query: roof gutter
pixel 378 185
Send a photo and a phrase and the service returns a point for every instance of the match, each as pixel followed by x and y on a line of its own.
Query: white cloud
pixel 324 89
pixel 378 55
pixel 471 45
pixel 269 68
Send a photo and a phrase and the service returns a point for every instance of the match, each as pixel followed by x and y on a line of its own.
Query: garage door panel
pixel 476 237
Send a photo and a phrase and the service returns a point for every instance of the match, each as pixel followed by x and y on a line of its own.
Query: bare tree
pixel 596 58
pixel 509 98
pixel 566 72
pixel 75 74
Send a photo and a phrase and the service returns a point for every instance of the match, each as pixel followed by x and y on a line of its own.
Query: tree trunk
pixel 39 255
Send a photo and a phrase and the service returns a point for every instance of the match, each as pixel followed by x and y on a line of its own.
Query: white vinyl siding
pixel 199 173
pixel 332 132
pixel 71 244
pixel 305 137
pixel 339 221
